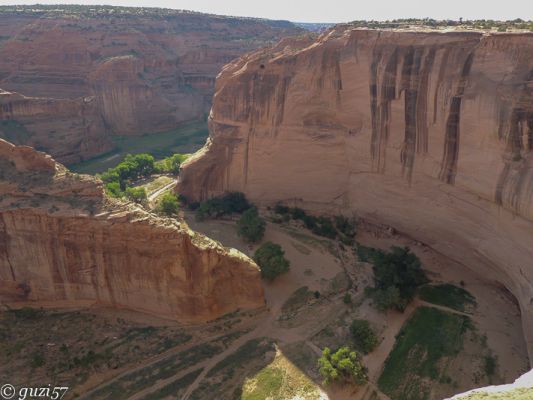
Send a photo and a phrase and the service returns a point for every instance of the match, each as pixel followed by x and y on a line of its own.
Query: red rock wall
pixel 143 72
pixel 431 133
pixel 63 242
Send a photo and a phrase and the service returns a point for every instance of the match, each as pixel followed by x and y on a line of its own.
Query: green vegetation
pixel 136 194
pixel 182 140
pixel 490 364
pixel 271 259
pixel 480 24
pixel 168 204
pixel 342 366
pixel 251 227
pixel 447 295
pixel 516 394
pixel 423 348
pixel 216 207
pixel 340 227
pixel 347 299
pixel 364 337
pixel 397 275
pixel 171 164
pixel 132 168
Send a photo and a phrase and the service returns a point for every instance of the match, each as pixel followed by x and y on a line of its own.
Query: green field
pixel 449 296
pixel 517 394
pixel 421 354
pixel 185 139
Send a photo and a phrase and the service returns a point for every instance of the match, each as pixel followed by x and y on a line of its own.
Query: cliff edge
pixel 63 242
pixel 429 132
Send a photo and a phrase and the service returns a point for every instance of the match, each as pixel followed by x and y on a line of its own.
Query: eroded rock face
pixel 76 76
pixel 62 241
pixel 431 133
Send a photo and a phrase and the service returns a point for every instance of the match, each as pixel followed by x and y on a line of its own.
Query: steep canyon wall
pixel 63 242
pixel 112 70
pixel 429 132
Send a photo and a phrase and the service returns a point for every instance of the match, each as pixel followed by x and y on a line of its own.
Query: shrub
pixel 251 226
pixel 343 366
pixel 113 189
pixel 271 259
pixel 347 299
pixel 137 194
pixel 168 204
pixel 233 202
pixel 385 299
pixel 363 335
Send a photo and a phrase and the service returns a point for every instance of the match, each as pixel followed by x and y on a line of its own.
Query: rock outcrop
pixel 431 133
pixel 87 72
pixel 63 242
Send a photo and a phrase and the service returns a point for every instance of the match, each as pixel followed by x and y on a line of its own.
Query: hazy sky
pixel 334 10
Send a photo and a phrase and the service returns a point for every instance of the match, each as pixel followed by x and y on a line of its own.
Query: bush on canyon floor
pixel 133 167
pixel 342 366
pixel 364 336
pixel 251 227
pixel 136 194
pixel 168 204
pixel 340 227
pixel 271 259
pixel 397 275
pixel 216 207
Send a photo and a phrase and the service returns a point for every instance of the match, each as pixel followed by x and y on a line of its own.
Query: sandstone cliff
pixel 62 241
pixel 429 132
pixel 144 70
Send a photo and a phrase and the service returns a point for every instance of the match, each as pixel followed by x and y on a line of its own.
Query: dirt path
pixel 155 194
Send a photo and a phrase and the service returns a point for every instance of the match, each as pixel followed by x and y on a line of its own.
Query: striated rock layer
pixel 429 132
pixel 62 241
pixel 100 70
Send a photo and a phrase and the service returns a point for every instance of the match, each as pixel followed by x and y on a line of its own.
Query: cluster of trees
pixel 216 207
pixel 117 180
pixel 341 366
pixel 339 227
pixel 397 275
pixel 271 260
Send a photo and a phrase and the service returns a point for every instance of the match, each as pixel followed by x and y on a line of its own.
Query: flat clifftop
pixel 63 241
pixel 73 76
pixel 429 132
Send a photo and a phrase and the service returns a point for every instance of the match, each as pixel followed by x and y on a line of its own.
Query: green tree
pixel 363 335
pixel 251 226
pixel 168 204
pixel 113 189
pixel 385 299
pixel 401 269
pixel 343 366
pixel 271 259
pixel 136 194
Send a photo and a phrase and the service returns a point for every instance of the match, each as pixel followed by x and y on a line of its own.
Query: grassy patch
pixel 448 295
pixel 155 184
pixel 420 355
pixel 517 394
pixel 185 139
pixel 279 380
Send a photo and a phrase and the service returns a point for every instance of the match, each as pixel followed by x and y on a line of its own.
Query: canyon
pixel 64 243
pixel 428 132
pixel 71 77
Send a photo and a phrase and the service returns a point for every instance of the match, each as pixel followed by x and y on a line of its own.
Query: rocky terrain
pixel 72 76
pixel 428 132
pixel 64 243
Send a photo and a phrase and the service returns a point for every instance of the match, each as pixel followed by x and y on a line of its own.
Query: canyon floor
pixel 108 354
